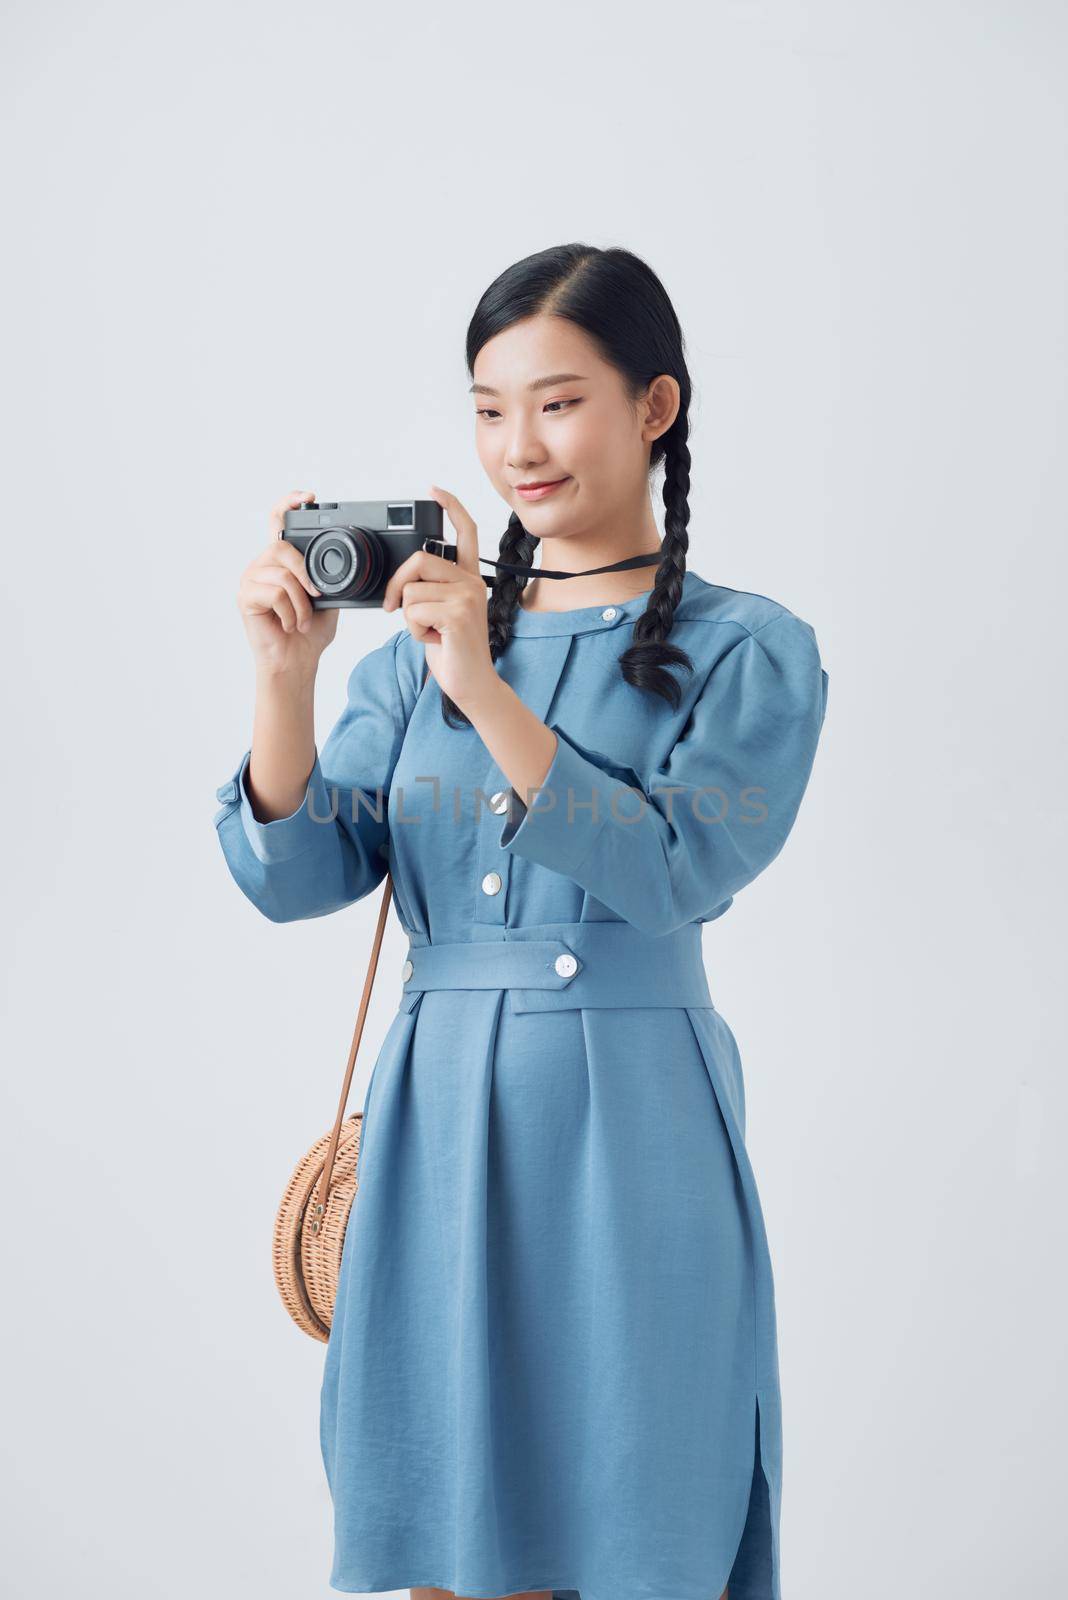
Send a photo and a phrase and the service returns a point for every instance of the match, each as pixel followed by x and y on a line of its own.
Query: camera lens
pixel 345 561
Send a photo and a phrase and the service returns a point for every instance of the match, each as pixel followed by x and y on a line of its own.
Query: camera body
pixel 352 548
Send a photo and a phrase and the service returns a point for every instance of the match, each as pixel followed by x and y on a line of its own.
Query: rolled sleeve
pixel 284 837
pixel 568 810
pixel 333 849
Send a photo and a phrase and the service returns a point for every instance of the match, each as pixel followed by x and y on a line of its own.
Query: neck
pixel 570 555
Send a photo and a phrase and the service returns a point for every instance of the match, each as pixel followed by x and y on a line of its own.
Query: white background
pixel 242 247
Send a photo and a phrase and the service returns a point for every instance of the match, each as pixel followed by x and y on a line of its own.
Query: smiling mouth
pixel 538 491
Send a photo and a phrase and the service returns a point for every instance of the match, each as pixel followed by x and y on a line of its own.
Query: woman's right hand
pixel 286 634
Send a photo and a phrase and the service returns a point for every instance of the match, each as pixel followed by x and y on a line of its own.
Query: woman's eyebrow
pixel 539 383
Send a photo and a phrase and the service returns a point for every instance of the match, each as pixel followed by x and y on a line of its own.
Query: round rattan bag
pixel 309 1229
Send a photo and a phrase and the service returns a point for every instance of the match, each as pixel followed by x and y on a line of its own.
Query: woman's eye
pixel 488 411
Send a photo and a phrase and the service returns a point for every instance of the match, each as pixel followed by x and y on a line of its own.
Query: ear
pixel 662 402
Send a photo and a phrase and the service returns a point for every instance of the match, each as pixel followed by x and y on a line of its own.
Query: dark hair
pixel 620 303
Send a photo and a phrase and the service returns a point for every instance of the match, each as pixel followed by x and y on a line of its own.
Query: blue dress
pixel 553 1359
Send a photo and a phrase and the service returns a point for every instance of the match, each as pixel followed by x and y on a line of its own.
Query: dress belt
pixel 567 965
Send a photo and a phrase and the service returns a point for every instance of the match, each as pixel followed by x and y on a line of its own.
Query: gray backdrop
pixel 242 247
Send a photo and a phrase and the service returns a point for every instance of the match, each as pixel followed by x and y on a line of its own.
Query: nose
pixel 525 449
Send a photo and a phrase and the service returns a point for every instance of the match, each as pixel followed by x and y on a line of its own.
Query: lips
pixel 540 490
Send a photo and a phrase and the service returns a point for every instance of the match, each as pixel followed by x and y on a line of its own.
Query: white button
pixel 491 883
pixel 407 970
pixel 566 966
pixel 499 801
pixel 608 613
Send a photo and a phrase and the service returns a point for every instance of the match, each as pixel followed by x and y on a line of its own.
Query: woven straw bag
pixel 309 1228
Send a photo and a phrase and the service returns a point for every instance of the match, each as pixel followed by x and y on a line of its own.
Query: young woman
pixel 552 1368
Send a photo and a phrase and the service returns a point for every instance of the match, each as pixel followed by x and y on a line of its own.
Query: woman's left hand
pixel 445 606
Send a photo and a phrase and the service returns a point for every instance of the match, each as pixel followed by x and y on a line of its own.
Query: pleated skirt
pixel 549 1360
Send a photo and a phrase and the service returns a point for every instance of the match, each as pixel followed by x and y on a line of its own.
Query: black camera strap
pixel 442 547
pixel 540 572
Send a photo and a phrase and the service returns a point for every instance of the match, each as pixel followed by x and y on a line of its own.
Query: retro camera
pixel 352 548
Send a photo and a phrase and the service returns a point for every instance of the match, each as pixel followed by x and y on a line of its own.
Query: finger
pixel 433 614
pixel 283 553
pixel 288 502
pixel 273 597
pixel 263 599
pixel 422 635
pixel 293 586
pixel 426 589
pixel 420 564
pixel 464 523
pixel 282 560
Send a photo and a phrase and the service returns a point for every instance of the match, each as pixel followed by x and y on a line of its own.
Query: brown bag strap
pixel 365 1000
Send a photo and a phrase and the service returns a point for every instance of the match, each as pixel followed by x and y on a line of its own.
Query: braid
pixel 517 548
pixel 645 662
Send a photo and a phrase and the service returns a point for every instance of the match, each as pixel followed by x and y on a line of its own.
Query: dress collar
pixel 586 619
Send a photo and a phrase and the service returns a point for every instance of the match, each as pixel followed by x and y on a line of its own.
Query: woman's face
pixel 580 427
